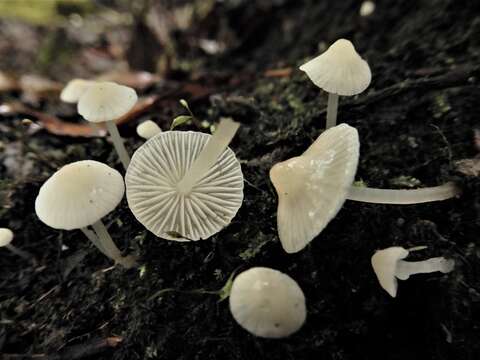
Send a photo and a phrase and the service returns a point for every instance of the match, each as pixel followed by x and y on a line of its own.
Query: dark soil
pixel 411 134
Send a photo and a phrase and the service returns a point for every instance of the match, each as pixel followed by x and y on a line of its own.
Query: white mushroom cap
pixel 267 303
pixel 148 129
pixel 74 90
pixel 79 194
pixel 339 70
pixel 154 198
pixel 105 101
pixel 384 263
pixel 6 236
pixel 312 187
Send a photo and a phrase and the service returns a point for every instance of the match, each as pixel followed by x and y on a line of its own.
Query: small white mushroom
pixel 367 8
pixel 186 185
pixel 267 303
pixel 340 71
pixel 6 237
pixel 75 88
pixel 312 187
pixel 106 102
pixel 388 265
pixel 79 195
pixel 148 129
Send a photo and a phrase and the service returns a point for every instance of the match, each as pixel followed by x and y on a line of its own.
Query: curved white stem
pixel 208 156
pixel 403 197
pixel 332 109
pixel 118 143
pixel 111 250
pixel 406 268
pixel 94 239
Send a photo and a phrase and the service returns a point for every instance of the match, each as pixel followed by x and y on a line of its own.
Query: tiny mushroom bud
pixel 388 265
pixel 338 71
pixel 186 185
pixel 148 129
pixel 75 88
pixel 106 102
pixel 6 237
pixel 313 187
pixel 79 195
pixel 267 303
pixel 367 8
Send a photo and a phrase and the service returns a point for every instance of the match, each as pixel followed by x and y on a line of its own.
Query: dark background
pixel 418 124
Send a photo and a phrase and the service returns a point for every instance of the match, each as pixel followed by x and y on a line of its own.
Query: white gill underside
pixel 152 178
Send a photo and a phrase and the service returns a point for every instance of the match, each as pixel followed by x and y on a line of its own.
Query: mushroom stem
pixel 94 239
pixel 118 143
pixel 407 268
pixel 403 197
pixel 109 246
pixel 23 254
pixel 209 154
pixel 332 108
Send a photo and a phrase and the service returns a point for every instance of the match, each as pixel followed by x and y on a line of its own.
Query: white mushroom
pixel 6 237
pixel 267 303
pixel 79 195
pixel 367 8
pixel 148 129
pixel 75 88
pixel 312 187
pixel 186 185
pixel 339 71
pixel 106 102
pixel 388 265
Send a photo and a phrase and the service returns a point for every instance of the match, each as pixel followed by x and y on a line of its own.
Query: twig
pixel 73 352
pixel 456 77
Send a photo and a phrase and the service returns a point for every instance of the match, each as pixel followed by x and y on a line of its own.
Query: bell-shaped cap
pixel 312 187
pixel 105 101
pixel 153 196
pixel 267 303
pixel 75 88
pixel 79 194
pixel 148 129
pixel 384 263
pixel 6 236
pixel 339 70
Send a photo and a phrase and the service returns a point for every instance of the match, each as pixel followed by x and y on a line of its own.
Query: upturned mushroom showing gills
pixel 106 102
pixel 267 303
pixel 78 196
pixel 186 185
pixel 388 265
pixel 338 71
pixel 312 187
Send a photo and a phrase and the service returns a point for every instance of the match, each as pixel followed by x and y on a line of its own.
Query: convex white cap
pixel 312 187
pixel 79 194
pixel 339 70
pixel 105 101
pixel 148 129
pixel 6 236
pixel 267 303
pixel 153 195
pixel 75 88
